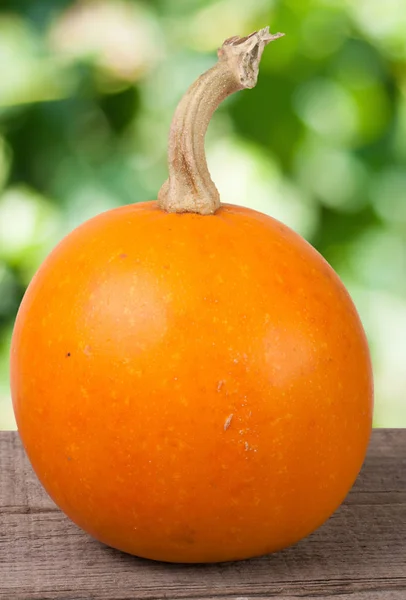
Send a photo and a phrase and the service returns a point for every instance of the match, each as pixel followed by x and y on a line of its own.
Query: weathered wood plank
pixel 359 549
pixel 360 554
pixel 20 490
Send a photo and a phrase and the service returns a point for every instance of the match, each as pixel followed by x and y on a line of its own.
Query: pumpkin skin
pixel 191 388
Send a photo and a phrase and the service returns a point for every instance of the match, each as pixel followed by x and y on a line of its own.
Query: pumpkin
pixel 191 380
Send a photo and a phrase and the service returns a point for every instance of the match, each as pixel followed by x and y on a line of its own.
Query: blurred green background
pixel 87 91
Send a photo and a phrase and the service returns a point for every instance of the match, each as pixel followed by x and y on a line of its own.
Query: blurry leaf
pixel 358 64
pixel 323 32
pixel 335 176
pixel 26 75
pixel 122 38
pixel 5 162
pixel 217 21
pixel 121 108
pixel 384 317
pixel 400 127
pixel 338 230
pixel 374 112
pixel 283 55
pixel 29 226
pixel 86 199
pixel 264 115
pixel 181 8
pixel 388 193
pixel 383 22
pixel 328 109
pixel 7 420
pixel 370 255
pixel 9 292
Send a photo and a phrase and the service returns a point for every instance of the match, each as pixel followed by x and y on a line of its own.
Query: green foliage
pixel 87 91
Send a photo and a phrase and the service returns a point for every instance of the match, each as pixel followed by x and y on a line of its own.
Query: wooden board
pixel 359 554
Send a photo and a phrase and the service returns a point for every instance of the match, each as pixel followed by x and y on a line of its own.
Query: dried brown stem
pixel 190 187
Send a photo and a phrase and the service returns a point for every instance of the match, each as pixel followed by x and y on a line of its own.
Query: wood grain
pixel 359 554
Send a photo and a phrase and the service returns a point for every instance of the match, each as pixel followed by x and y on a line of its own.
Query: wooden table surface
pixel 359 554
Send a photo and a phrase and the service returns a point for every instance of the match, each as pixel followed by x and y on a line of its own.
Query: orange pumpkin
pixel 192 386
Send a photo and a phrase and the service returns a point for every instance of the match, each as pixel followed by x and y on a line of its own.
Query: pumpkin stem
pixel 190 187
